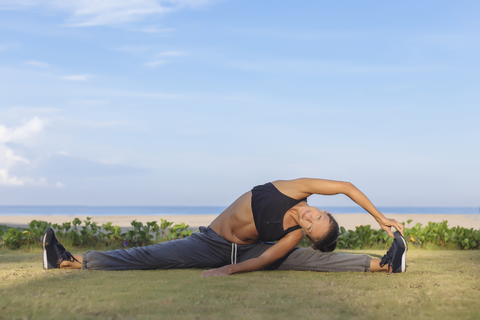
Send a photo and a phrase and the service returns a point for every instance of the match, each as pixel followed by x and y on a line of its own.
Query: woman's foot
pixel 395 256
pixel 53 252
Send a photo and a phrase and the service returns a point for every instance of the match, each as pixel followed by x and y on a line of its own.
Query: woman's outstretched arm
pixel 305 187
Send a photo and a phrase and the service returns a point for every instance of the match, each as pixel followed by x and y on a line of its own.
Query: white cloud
pixel 154 64
pixel 77 77
pixel 63 153
pixel 84 13
pixel 5 179
pixel 59 185
pixel 94 13
pixel 36 64
pixel 23 132
pixel 9 159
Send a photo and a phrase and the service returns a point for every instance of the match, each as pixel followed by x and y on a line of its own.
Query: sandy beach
pixel 349 221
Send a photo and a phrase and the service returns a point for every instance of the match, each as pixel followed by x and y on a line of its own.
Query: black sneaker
pixel 395 256
pixel 53 252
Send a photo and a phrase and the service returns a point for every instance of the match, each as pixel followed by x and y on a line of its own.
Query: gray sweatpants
pixel 207 249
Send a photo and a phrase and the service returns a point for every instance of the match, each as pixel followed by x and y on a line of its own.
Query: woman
pixel 235 241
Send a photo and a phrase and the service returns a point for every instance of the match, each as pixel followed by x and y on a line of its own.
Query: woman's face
pixel 314 222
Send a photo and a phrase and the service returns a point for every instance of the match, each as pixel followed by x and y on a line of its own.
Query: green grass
pixel 439 284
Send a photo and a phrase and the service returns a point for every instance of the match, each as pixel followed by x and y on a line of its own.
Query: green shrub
pixel 434 233
pixel 37 230
pixel 179 231
pixel 139 235
pixel 14 238
pixel 91 234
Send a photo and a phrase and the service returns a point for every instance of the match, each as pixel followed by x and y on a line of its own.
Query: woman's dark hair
pixel 328 242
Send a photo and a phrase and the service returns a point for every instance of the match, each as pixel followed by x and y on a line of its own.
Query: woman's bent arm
pixel 277 251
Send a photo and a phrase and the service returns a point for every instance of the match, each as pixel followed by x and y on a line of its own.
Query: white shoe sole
pixel 404 266
pixel 45 261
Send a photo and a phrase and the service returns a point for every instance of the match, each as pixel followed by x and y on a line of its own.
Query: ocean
pixel 200 210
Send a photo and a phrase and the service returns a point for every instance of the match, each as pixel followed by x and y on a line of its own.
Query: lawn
pixel 438 284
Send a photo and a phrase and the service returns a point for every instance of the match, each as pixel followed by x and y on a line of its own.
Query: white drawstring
pixel 234 253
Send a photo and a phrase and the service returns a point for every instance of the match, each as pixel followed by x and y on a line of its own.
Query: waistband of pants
pixel 216 235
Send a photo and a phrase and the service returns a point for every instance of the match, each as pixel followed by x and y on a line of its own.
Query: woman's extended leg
pixel 205 249
pixel 308 259
pixel 201 250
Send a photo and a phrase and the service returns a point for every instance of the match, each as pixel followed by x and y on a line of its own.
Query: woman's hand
pixel 219 272
pixel 387 224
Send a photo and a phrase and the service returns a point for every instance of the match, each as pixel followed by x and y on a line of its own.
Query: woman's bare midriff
pixel 236 223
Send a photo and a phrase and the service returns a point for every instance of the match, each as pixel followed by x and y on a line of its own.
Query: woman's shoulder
pixel 293 188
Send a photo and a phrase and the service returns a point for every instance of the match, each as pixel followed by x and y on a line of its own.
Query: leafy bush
pixel 179 231
pixel 14 238
pixel 112 234
pixel 4 228
pixel 140 234
pixel 362 237
pixel 74 234
pixel 434 233
pixel 37 230
pixel 437 234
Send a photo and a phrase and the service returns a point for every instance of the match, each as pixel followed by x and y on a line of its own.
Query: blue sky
pixel 193 102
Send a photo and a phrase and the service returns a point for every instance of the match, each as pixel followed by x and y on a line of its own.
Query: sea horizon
pixel 203 210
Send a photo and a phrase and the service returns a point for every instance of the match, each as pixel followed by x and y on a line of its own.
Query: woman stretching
pixel 236 241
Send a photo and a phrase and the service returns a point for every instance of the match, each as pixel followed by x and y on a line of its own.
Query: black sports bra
pixel 269 207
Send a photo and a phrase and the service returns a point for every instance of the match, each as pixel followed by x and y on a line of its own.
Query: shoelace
pixel 387 258
pixel 64 253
